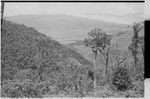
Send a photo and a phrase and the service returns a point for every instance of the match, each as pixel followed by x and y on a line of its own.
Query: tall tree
pixel 99 41
pixel 137 27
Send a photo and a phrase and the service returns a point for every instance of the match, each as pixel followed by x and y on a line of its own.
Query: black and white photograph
pixel 72 50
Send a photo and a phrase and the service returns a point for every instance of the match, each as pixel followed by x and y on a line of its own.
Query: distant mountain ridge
pixel 65 28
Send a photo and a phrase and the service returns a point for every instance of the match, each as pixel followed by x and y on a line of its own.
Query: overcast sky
pixel 115 12
pixel 147 9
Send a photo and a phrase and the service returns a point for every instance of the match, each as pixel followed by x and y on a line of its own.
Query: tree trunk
pixel 135 63
pixel 95 69
pixel 135 42
pixel 106 67
pixel 143 51
pixel 2 11
pixel 81 91
pixel 107 60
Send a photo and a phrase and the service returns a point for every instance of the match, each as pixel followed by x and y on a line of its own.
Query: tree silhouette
pixel 137 27
pixel 99 41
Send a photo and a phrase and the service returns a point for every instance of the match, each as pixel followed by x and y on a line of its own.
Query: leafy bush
pixel 121 79
pixel 138 88
pixel 16 89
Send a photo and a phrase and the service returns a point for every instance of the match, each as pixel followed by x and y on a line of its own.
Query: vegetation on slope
pixel 32 64
pixel 35 65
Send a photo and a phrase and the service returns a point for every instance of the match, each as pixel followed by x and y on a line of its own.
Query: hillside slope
pixel 29 57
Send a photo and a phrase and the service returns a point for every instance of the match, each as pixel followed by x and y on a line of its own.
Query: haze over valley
pixel 65 28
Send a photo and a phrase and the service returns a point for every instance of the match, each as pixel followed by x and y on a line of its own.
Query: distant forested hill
pixel 65 28
pixel 32 58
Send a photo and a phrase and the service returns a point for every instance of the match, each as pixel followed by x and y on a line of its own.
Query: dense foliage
pixel 121 79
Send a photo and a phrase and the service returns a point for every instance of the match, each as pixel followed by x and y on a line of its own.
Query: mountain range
pixel 64 28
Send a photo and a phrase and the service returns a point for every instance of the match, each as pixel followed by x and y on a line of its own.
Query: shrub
pixel 121 79
pixel 16 89
pixel 138 88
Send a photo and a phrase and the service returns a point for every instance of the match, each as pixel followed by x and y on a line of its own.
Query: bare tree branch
pixel 122 61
